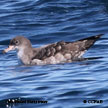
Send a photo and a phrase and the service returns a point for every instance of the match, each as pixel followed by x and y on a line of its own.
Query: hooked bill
pixel 8 49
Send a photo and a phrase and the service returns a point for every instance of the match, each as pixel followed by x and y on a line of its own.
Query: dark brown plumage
pixel 73 48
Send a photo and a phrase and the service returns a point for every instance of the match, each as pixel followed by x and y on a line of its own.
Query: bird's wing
pixel 50 50
pixel 76 49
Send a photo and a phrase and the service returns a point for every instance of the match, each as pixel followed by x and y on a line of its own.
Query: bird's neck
pixel 25 55
pixel 20 53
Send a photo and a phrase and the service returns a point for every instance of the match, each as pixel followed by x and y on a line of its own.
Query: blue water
pixel 48 21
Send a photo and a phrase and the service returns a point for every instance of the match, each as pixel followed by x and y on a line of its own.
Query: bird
pixel 55 53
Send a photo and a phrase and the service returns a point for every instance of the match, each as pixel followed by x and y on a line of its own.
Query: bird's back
pixel 66 50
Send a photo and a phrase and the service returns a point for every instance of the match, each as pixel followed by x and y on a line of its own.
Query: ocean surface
pixel 81 84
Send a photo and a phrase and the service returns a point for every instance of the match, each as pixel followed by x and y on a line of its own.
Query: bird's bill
pixel 11 47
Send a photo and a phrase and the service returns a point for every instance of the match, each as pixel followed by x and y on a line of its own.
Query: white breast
pixel 20 53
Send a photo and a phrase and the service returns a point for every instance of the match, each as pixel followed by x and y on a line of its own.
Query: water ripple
pixel 45 22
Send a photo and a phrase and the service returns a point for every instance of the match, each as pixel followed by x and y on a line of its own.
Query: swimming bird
pixel 59 52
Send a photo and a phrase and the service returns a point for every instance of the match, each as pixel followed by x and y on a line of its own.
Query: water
pixel 48 21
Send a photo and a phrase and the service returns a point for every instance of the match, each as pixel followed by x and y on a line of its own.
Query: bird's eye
pixel 16 42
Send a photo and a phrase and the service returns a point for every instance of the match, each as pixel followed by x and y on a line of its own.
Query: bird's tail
pixel 90 41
